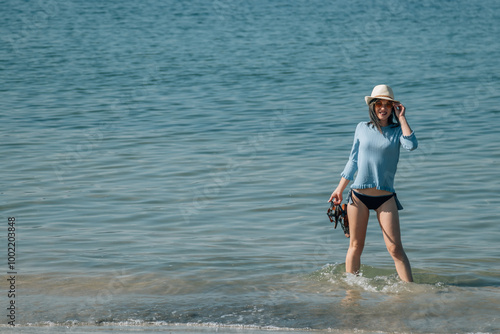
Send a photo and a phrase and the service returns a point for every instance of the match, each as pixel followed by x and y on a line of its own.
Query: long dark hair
pixel 394 121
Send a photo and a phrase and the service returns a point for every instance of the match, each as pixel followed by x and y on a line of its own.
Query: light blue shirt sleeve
pixel 410 142
pixel 352 164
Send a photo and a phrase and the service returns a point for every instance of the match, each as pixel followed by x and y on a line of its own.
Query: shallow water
pixel 168 164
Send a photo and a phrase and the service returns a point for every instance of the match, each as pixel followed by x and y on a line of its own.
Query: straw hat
pixel 382 92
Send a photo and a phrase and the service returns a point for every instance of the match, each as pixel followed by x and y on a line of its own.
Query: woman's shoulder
pixel 363 125
pixel 362 129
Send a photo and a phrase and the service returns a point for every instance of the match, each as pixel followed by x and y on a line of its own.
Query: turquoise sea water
pixel 169 164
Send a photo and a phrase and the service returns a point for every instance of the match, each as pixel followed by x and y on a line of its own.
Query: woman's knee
pixel 396 250
pixel 356 246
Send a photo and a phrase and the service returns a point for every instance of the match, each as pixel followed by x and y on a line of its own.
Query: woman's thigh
pixel 388 217
pixel 358 215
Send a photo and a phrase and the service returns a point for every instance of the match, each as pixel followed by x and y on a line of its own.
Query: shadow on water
pixel 378 299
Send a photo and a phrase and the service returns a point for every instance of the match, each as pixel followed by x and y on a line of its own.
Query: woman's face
pixel 383 110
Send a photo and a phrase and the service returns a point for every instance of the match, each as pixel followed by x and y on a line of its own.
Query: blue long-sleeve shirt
pixel 375 156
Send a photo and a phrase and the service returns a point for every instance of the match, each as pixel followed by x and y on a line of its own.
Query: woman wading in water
pixel 375 155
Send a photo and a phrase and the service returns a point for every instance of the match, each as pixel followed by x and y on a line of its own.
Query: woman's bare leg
pixel 388 218
pixel 358 221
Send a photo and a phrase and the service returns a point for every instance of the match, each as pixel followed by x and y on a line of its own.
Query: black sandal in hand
pixel 338 214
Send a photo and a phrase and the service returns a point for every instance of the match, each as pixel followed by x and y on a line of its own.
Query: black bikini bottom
pixel 374 202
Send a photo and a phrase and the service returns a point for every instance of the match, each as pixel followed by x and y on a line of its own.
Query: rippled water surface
pixel 169 163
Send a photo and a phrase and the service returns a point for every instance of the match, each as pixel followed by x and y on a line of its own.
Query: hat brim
pixel 369 99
